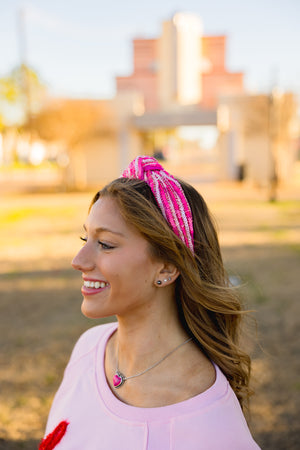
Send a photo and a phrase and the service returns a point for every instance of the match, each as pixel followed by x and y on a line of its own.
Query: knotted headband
pixel 168 194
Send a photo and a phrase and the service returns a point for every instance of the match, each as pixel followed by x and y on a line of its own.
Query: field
pixel 40 317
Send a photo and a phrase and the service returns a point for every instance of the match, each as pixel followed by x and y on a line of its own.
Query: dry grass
pixel 40 317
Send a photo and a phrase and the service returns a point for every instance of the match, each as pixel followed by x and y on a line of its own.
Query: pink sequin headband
pixel 168 194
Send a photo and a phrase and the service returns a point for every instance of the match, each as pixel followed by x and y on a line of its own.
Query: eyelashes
pixel 103 245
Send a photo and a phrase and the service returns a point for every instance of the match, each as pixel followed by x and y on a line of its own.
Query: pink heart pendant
pixel 118 379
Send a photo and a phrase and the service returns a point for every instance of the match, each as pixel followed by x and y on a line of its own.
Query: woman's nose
pixel 82 261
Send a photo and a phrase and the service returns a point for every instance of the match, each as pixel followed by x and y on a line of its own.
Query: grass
pixel 40 317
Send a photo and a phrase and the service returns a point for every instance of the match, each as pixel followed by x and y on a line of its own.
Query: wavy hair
pixel 209 308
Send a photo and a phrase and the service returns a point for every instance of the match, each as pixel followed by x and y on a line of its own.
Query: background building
pixel 180 104
pixel 181 67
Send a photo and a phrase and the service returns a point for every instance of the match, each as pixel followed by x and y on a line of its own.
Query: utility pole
pixel 25 82
pixel 273 178
pixel 272 133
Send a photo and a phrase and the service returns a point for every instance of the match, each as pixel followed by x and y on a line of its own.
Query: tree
pixel 271 115
pixel 73 120
pixel 22 90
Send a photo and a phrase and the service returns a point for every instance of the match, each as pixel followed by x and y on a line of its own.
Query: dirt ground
pixel 40 299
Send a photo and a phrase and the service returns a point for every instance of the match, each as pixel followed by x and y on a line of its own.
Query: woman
pixel 169 374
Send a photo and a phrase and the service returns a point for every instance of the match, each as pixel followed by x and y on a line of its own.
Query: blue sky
pixel 79 46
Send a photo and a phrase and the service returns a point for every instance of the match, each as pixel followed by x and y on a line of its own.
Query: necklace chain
pixel 123 378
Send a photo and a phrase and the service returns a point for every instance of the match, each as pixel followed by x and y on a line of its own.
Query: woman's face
pixel 118 273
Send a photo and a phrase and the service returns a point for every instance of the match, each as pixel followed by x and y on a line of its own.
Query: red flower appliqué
pixel 55 437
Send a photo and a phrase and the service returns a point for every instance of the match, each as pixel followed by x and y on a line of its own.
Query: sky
pixel 78 46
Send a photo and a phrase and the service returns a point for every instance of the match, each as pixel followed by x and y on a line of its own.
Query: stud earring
pixel 158 282
pixel 167 279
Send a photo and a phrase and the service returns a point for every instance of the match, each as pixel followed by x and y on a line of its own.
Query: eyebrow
pixel 102 229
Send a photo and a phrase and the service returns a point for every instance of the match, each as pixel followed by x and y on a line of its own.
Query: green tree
pixel 22 89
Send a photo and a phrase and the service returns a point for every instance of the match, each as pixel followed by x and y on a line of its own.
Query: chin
pixel 92 313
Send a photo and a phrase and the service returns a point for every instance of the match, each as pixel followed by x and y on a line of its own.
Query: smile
pixel 94 284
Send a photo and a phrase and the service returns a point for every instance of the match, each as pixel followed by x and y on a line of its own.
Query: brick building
pixel 181 67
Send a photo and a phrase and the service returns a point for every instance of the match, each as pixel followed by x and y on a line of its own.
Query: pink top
pixel 98 420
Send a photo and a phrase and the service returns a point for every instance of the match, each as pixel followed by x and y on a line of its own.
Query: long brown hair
pixel 209 308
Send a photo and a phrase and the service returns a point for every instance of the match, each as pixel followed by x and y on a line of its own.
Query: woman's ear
pixel 167 274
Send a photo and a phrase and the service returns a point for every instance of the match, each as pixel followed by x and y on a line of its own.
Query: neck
pixel 141 340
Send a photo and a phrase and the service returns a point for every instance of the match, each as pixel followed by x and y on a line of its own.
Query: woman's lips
pixel 91 287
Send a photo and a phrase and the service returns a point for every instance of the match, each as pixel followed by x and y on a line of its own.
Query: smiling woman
pixel 115 263
pixel 170 374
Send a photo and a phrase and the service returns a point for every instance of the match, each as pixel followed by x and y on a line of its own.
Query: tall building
pixel 215 79
pixel 144 78
pixel 181 67
pixel 180 61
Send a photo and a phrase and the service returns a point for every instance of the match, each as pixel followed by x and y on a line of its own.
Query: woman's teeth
pixel 95 284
